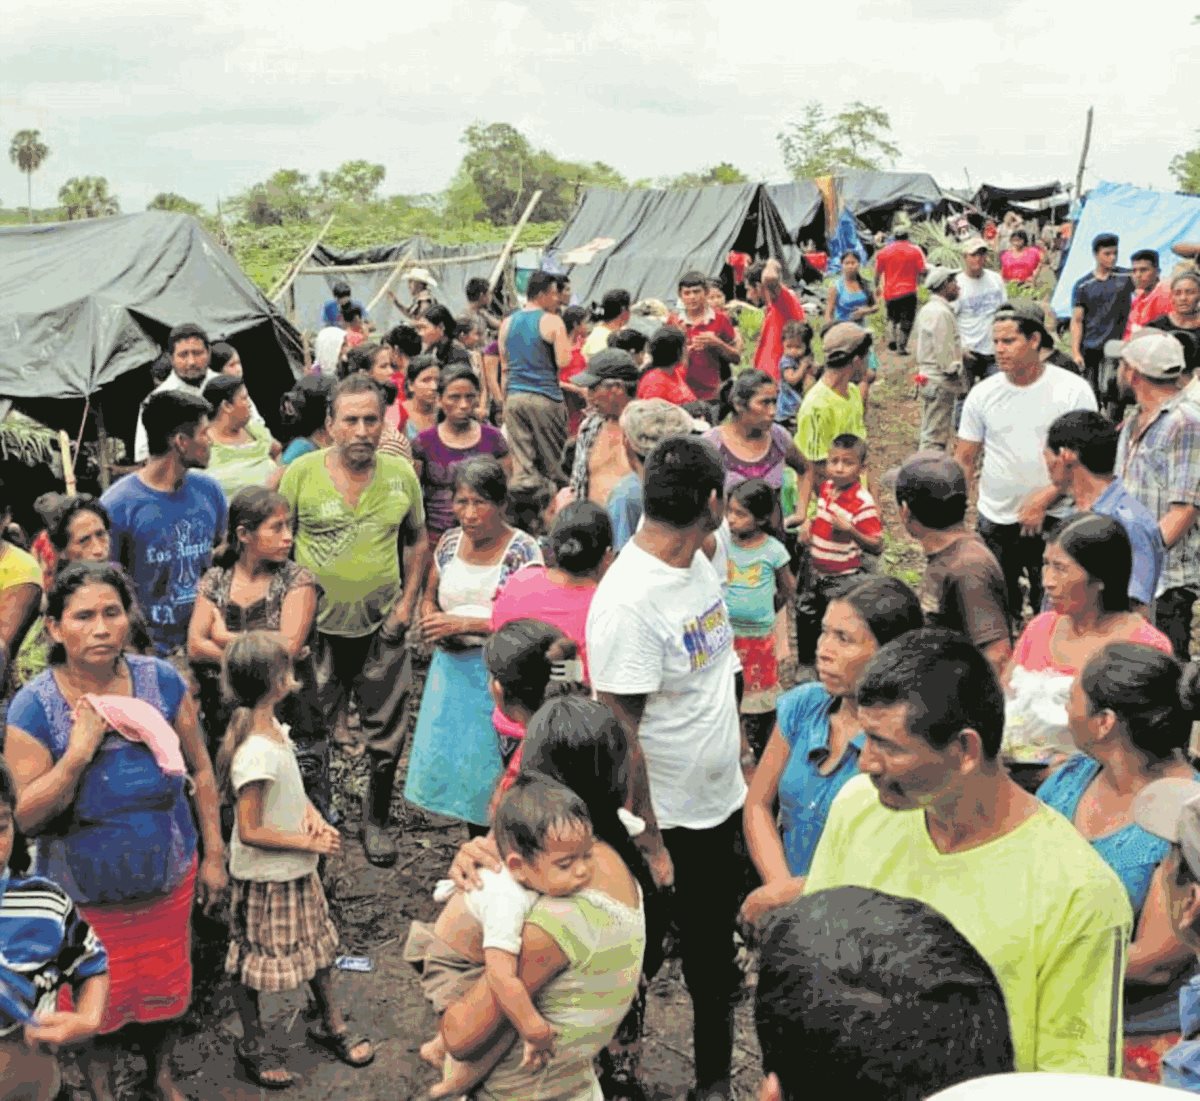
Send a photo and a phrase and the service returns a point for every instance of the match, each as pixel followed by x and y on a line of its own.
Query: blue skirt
pixel 455 762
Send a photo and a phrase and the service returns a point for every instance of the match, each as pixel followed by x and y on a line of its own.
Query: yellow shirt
pixel 1038 904
pixel 18 568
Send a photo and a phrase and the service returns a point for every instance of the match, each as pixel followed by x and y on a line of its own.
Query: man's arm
pixel 554 332
pixel 414 542
pixel 772 279
pixel 966 454
pixel 628 711
pixel 1077 334
pixel 1177 521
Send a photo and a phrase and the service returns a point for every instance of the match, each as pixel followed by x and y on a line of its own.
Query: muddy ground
pixel 373 908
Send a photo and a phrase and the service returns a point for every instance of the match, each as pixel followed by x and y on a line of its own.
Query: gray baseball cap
pixel 1170 809
pixel 646 423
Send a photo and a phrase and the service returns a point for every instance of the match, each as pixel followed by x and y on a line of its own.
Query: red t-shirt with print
pixel 785 308
pixel 669 385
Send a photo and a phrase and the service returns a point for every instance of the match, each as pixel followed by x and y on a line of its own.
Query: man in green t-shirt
pixel 937 818
pixel 833 406
pixel 355 513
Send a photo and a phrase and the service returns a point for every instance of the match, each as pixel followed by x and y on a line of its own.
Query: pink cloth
pixel 139 721
pixel 530 594
pixel 1033 647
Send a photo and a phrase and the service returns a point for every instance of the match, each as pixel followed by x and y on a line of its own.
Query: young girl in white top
pixel 280 934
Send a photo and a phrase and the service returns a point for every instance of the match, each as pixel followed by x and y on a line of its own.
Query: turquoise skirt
pixel 455 762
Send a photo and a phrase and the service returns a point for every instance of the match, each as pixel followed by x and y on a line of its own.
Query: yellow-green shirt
pixel 354 552
pixel 1038 904
pixel 825 414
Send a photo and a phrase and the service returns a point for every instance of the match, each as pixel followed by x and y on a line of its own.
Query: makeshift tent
pixel 1140 217
pixel 874 198
pixel 450 265
pixel 997 201
pixel 799 205
pixel 86 307
pixel 643 240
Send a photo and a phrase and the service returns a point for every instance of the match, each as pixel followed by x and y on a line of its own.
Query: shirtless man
pixel 611 382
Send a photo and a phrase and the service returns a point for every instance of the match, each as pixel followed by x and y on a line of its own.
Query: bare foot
pixel 459 1079
pixel 434 1052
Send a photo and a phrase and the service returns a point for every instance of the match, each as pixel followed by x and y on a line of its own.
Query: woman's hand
pixel 327 842
pixel 439 625
pixel 87 731
pixel 211 881
pixel 770 896
pixel 220 634
pixel 479 852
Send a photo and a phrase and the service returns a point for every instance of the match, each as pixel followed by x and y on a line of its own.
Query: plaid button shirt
pixel 1160 466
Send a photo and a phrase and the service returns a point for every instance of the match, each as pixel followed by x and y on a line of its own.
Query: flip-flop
pixel 257 1061
pixel 341 1044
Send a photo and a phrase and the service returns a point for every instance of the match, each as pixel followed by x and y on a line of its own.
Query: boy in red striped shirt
pixel 847 523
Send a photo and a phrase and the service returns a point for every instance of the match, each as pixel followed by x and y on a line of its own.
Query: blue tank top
pixel 531 367
pixel 848 302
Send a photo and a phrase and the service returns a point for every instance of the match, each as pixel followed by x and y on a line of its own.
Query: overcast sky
pixel 209 99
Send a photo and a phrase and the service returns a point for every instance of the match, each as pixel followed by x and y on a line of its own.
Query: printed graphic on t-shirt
pixel 707 636
pixel 184 550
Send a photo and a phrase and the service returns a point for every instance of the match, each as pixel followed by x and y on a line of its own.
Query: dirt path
pixel 374 907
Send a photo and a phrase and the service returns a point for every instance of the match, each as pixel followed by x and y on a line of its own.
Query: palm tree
pixel 87 197
pixel 27 152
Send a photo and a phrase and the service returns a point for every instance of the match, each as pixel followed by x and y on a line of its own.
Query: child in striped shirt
pixel 44 945
pixel 846 524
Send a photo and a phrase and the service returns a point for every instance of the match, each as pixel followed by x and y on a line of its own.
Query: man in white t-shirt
pixel 1007 417
pixel 660 652
pixel 980 295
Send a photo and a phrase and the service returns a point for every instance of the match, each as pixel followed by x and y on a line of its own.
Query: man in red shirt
pixel 898 266
pixel 764 287
pixel 1151 296
pixel 711 341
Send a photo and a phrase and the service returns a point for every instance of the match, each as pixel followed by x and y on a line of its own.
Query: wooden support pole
pixel 498 270
pixel 102 445
pixel 64 448
pixel 1087 142
pixel 399 266
pixel 293 270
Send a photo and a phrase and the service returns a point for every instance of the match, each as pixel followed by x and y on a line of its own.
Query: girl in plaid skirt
pixel 280 934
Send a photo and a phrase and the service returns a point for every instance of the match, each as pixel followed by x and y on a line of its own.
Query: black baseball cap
pixel 608 365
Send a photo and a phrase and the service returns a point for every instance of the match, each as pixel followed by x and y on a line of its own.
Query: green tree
pixel 285 196
pixel 723 173
pixel 168 200
pixel 87 197
pixel 857 137
pixel 1186 170
pixel 505 170
pixel 28 152
pixel 352 182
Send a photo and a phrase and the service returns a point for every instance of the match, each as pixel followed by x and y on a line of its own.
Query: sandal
pixel 258 1062
pixel 341 1044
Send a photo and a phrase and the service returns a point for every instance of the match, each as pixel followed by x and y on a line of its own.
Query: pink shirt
pixel 1022 266
pixel 1033 647
pixel 530 594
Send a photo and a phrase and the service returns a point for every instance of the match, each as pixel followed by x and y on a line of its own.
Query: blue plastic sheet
pixel 1141 219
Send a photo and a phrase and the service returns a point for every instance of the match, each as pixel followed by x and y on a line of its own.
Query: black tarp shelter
pixel 368 270
pixel 85 308
pixel 800 206
pixel 874 198
pixel 644 239
pixel 996 201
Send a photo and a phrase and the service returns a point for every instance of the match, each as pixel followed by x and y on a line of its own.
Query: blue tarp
pixel 1140 217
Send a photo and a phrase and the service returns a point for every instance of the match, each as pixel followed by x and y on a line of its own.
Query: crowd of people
pixel 629 592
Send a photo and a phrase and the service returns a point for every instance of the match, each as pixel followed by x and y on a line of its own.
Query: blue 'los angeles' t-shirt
pixel 165 542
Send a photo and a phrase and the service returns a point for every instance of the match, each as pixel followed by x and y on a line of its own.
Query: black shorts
pixel 902 310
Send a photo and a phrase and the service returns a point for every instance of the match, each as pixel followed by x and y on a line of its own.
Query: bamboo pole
pixel 399 266
pixel 1087 141
pixel 64 447
pixel 293 270
pixel 388 265
pixel 498 270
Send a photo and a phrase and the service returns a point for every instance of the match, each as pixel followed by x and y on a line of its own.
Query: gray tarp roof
pixel 866 193
pixel 84 303
pixel 657 235
pixel 799 204
pixel 313 291
pixel 995 200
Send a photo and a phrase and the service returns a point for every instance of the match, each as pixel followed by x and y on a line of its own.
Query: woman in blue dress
pixel 1130 714
pixel 850 298
pixel 455 762
pixel 813 751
